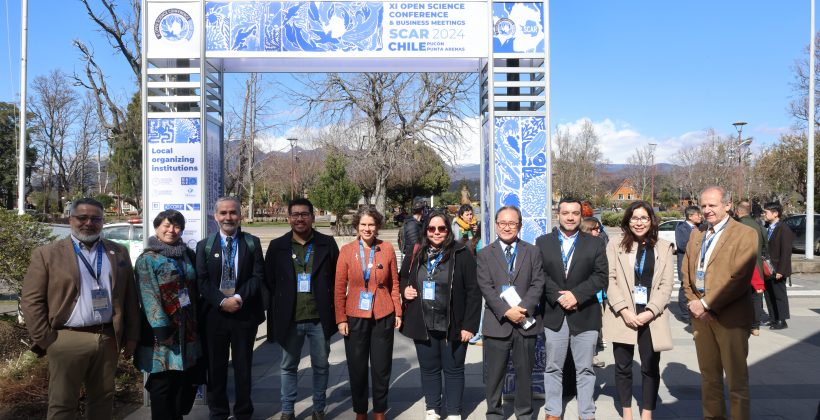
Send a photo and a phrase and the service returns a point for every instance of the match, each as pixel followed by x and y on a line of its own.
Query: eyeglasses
pixel 433 229
pixel 296 216
pixel 596 228
pixel 639 220
pixel 84 218
pixel 510 225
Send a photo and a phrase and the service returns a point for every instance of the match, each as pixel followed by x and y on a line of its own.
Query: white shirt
pixel 235 252
pixel 566 244
pixel 83 314
pixel 718 228
pixel 514 246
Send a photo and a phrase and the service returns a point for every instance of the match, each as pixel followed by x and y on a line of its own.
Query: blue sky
pixel 641 71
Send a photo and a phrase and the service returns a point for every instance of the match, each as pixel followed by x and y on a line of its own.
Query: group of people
pixel 182 313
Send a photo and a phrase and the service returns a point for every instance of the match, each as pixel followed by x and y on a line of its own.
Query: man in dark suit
pixel 576 269
pixel 743 212
pixel 682 233
pixel 779 247
pixel 510 263
pixel 716 270
pixel 230 272
pixel 80 304
pixel 301 267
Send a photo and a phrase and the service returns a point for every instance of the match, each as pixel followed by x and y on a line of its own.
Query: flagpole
pixel 810 188
pixel 21 170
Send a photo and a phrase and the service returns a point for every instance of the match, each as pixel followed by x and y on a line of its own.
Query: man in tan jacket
pixel 716 271
pixel 80 306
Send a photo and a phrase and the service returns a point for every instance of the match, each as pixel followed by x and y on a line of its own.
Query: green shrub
pixel 609 218
pixel 19 236
pixel 669 215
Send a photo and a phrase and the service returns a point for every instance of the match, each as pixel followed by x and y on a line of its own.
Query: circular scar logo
pixel 174 25
pixel 505 27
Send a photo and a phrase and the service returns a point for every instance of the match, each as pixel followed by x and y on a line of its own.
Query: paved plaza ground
pixel 784 370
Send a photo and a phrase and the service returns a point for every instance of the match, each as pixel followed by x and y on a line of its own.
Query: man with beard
pixel 301 269
pixel 230 273
pixel 80 303
pixel 576 269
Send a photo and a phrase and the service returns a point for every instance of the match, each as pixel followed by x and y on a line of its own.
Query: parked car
pixel 666 230
pixel 797 223
pixel 128 235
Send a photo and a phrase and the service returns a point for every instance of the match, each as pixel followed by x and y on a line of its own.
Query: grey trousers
pixel 583 348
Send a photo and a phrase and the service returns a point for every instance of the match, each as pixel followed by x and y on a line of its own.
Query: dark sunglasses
pixel 432 229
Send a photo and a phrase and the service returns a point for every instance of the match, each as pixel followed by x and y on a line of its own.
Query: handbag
pixel 768 268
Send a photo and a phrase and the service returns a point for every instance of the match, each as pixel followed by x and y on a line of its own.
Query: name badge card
pixel 304 282
pixel 99 300
pixel 640 295
pixel 184 297
pixel 505 287
pixel 365 301
pixel 429 290
pixel 227 287
pixel 701 280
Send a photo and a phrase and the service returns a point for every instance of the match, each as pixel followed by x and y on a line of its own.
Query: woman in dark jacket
pixel 442 308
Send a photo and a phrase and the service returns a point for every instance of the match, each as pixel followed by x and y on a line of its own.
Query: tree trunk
pixel 380 192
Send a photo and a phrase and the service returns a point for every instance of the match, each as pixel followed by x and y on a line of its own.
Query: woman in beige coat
pixel 640 285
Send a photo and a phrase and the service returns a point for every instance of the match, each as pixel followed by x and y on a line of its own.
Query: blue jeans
pixel 436 355
pixel 292 352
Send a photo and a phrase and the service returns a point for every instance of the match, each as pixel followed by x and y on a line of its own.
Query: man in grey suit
pixel 682 233
pixel 510 263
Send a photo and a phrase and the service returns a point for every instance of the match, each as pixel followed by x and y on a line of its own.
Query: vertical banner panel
pixel 175 172
pixel 213 175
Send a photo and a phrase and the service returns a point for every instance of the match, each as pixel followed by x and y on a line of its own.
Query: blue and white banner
pixel 421 29
pixel 175 172
pixel 173 29
pixel 518 28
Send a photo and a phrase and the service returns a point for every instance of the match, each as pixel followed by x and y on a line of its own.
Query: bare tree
pixel 799 106
pixel 576 160
pixel 389 110
pixel 639 169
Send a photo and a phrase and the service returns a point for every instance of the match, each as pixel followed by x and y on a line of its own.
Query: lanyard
pixel 705 249
pixel 366 267
pixel 229 258
pixel 565 257
pixel 511 260
pixel 96 275
pixel 307 257
pixel 639 267
pixel 432 264
pixel 180 265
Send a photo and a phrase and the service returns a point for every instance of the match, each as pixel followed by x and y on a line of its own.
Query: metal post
pixel 652 190
pixel 21 170
pixel 292 141
pixel 810 188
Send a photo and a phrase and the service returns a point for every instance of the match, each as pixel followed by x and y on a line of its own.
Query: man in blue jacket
pixel 682 233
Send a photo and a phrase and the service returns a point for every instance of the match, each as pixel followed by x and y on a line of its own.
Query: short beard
pixel 85 238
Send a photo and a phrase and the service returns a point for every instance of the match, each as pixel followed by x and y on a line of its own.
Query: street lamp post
pixel 652 190
pixel 739 176
pixel 292 141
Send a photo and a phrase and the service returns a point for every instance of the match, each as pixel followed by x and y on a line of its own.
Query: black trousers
pixel 776 299
pixel 650 370
pixel 757 300
pixel 172 394
pixel 495 369
pixel 371 339
pixel 221 336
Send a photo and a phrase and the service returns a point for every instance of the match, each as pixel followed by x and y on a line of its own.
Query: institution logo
pixel 174 25
pixel 178 207
pixel 188 180
pixel 504 27
pixel 192 207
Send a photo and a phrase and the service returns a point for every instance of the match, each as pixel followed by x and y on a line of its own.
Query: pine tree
pixel 334 191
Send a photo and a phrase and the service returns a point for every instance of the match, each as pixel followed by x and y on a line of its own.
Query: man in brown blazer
pixel 80 306
pixel 716 268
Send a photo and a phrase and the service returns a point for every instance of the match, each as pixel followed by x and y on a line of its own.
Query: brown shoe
pixel 552 417
pixel 378 416
pixel 361 416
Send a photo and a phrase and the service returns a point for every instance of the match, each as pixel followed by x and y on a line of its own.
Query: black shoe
pixel 779 325
pixel 318 415
pixel 287 416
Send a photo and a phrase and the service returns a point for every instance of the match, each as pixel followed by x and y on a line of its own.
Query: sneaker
pixel 287 416
pixel 454 417
pixel 431 415
pixel 318 415
pixel 598 362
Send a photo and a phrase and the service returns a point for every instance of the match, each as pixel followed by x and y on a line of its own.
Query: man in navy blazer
pixel 301 269
pixel 682 233
pixel 230 279
pixel 510 263
pixel 576 269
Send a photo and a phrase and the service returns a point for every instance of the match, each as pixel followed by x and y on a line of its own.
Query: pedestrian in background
pixel 169 351
pixel 466 228
pixel 411 228
pixel 368 310
pixel 743 212
pixel 592 226
pixel 301 269
pixel 780 239
pixel 442 306
pixel 683 231
pixel 641 278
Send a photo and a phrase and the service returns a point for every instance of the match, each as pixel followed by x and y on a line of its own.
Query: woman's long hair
pixel 629 238
pixel 449 241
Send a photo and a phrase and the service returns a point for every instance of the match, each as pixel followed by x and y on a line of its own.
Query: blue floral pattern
pixel 174 130
pixel 518 28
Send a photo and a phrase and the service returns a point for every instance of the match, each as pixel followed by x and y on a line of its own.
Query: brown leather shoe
pixel 552 417
pixel 361 416
pixel 378 416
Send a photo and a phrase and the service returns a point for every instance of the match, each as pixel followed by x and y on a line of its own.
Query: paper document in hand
pixel 511 297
